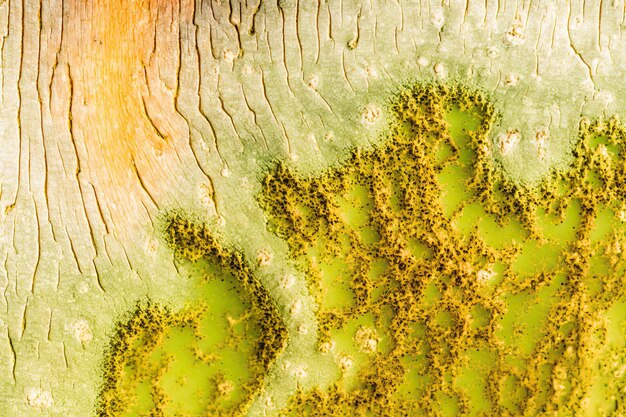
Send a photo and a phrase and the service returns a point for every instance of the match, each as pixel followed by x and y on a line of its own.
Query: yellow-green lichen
pixel 208 359
pixel 446 289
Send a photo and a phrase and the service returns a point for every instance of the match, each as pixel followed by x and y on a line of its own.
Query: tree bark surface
pixel 114 112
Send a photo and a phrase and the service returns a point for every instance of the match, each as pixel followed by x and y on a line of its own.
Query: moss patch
pixel 445 288
pixel 207 359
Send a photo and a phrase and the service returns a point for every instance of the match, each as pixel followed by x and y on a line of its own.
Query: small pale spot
pixel 225 388
pixel 313 82
pixel 541 140
pixel 370 71
pixel 81 331
pixel 367 339
pixel 492 51
pixel 620 372
pixel 264 258
pixel 152 245
pixel 214 70
pixel 371 114
pixel 437 19
pixel 296 307
pixel 511 79
pixel 82 288
pixel 507 142
pixel 603 151
pixel 423 61
pixel 617 247
pixel 288 281
pixel 485 275
pixel 245 184
pixel 440 70
pixel 38 398
pixel 345 362
pixel 300 372
pixel 228 55
pixel 326 347
pixel 515 34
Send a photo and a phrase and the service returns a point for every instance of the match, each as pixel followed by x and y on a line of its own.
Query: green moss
pixel 207 359
pixel 443 287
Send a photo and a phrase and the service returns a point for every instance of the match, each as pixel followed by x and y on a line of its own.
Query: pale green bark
pixel 305 86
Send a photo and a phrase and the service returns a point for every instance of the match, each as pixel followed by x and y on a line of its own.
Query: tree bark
pixel 114 112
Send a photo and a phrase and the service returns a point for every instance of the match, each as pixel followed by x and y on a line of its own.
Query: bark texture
pixel 113 112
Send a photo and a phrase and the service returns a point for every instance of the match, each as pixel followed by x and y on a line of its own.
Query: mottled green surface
pixel 207 359
pixel 445 288
pixel 237 86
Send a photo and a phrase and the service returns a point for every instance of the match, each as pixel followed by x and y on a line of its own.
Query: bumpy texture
pixel 446 289
pixel 443 288
pixel 208 359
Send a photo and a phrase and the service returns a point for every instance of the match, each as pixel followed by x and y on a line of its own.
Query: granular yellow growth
pixel 446 289
pixel 208 359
